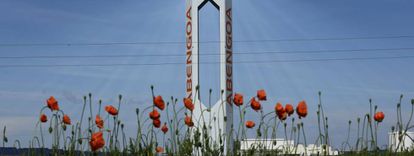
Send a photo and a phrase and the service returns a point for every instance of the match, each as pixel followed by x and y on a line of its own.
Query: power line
pixel 207 54
pixel 178 63
pixel 183 42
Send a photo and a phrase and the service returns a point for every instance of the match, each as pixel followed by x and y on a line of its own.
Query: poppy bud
pixel 64 127
pixel 164 128
pixel 349 121
pixel 80 141
pixel 412 101
pixel 120 97
pixel 137 111
pixel 5 139
pixel 259 134
pixel 122 126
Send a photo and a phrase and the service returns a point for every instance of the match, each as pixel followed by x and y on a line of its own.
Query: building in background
pixel 406 142
pixel 284 147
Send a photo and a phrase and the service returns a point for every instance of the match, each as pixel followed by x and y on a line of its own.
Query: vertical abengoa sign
pixel 223 109
pixel 189 45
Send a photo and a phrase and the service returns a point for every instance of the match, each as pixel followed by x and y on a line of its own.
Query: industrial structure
pixel 219 118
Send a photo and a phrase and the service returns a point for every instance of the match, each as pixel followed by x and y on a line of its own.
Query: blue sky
pixel 346 85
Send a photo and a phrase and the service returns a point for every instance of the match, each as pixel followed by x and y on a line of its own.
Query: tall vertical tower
pixel 219 118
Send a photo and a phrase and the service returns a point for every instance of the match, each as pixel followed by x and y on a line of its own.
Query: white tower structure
pixel 222 111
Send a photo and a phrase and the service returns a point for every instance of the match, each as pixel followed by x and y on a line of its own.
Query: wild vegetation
pixel 102 131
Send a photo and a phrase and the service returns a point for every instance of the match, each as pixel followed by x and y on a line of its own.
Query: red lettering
pixel 189 44
pixel 228 14
pixel 189 13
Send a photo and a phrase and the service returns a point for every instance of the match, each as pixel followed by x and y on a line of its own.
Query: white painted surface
pixel 404 144
pixel 285 147
pixel 223 107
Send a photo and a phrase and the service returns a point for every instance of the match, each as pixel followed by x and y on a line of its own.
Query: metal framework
pixel 220 117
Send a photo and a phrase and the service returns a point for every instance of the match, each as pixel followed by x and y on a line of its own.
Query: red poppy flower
pixel 52 103
pixel 154 114
pixel 279 108
pixel 164 128
pixel 97 141
pixel 66 119
pixel 188 103
pixel 99 122
pixel 250 124
pixel 302 109
pixel 238 99
pixel 188 121
pixel 159 149
pixel 255 104
pixel 289 109
pixel 282 116
pixel 159 102
pixel 156 123
pixel 43 118
pixel 111 110
pixel 379 116
pixel 261 95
